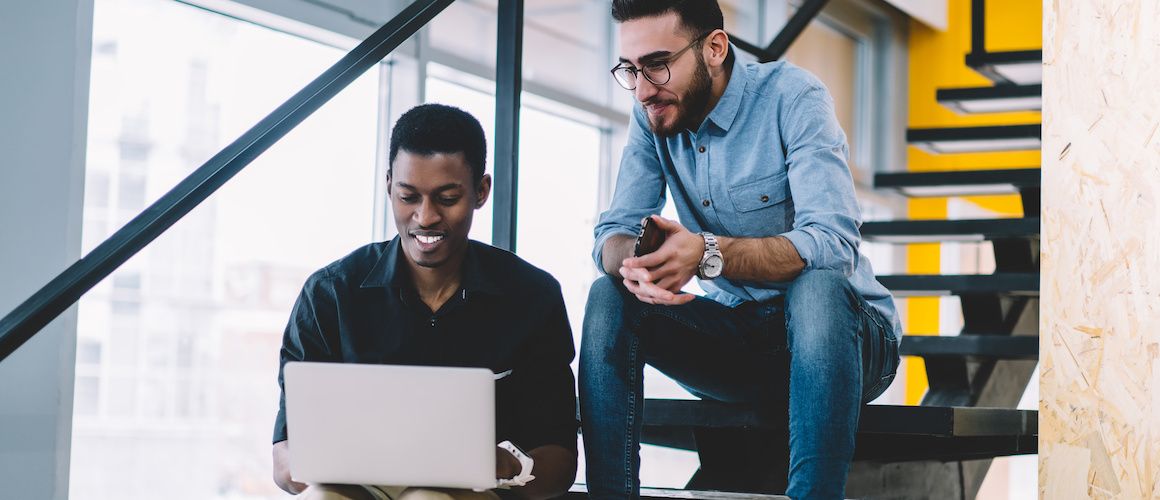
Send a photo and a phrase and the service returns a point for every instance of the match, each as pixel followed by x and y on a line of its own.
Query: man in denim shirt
pixel 756 164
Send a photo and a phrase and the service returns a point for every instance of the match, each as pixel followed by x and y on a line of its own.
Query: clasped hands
pixel 657 278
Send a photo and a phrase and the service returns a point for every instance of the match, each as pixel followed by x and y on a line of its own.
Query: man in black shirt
pixel 432 297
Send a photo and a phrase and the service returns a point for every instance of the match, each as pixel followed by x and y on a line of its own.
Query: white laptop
pixel 391 425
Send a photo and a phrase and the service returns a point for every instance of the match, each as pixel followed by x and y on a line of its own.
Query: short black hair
pixel 697 16
pixel 429 129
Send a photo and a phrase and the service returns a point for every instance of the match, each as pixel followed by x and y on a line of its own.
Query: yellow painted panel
pixel 922 316
pixel 1010 205
pixel 1014 25
pixel 937 60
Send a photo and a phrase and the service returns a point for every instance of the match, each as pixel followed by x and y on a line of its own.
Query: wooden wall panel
pixel 1100 317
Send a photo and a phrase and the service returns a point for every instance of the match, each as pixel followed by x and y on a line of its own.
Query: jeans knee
pixel 819 284
pixel 603 317
pixel 821 310
pixel 605 292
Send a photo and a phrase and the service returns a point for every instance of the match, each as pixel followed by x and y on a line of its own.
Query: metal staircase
pixel 943 447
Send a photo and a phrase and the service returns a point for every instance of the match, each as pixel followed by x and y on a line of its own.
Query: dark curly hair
pixel 697 16
pixel 429 129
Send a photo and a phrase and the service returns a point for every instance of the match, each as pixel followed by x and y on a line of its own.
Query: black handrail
pixel 788 34
pixel 63 291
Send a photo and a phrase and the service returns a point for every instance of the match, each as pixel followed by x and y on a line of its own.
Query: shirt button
pixel 764 199
pixel 701 149
pixel 706 203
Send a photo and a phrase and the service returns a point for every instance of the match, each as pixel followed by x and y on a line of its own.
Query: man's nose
pixel 645 89
pixel 427 214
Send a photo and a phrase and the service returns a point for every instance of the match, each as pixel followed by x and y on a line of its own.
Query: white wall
pixel 44 57
pixel 932 13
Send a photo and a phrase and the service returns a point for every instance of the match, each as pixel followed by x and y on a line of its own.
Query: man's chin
pixel 661 129
pixel 430 263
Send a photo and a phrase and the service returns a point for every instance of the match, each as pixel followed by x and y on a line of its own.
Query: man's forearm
pixel 760 259
pixel 555 471
pixel 616 248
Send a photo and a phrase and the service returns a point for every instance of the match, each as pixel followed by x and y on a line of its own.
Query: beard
pixel 691 106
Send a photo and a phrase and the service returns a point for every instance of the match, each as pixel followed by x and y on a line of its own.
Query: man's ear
pixel 388 184
pixel 482 191
pixel 716 48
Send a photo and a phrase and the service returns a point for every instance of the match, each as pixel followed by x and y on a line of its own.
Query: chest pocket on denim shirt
pixel 762 206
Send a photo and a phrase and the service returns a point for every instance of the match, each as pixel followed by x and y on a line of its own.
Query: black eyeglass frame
pixel 637 72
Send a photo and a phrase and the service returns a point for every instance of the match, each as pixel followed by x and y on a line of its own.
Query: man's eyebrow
pixel 445 187
pixel 651 56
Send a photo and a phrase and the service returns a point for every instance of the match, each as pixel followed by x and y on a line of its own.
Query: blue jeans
pixel 840 353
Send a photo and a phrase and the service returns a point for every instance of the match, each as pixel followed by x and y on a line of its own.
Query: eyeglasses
pixel 656 72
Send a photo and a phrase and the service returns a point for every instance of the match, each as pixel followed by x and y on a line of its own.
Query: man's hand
pixel 507 465
pixel 282 469
pixel 657 278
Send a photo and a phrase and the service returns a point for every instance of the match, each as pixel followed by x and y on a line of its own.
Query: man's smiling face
pixel 433 199
pixel 681 102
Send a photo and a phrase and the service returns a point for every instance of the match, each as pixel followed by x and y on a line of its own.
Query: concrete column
pixel 45 49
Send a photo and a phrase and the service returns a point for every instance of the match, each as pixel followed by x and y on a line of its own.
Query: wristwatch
pixel 525 476
pixel 712 262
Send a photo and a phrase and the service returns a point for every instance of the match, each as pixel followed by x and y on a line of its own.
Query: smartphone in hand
pixel 650 238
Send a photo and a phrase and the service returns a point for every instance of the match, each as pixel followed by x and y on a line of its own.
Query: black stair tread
pixel 945 284
pixel 990 138
pixel 910 231
pixel 885 433
pixel 984 132
pixel 992 65
pixel 580 491
pixel 960 182
pixel 932 421
pixel 988 99
pixel 987 346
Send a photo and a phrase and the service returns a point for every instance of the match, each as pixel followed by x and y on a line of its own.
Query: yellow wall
pixel 937 60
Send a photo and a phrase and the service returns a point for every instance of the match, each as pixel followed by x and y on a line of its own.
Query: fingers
pixel 653 294
pixel 636 274
pixel 669 226
pixel 648 261
pixel 672 284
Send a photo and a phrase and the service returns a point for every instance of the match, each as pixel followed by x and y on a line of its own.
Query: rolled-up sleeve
pixel 640 187
pixel 304 338
pixel 826 218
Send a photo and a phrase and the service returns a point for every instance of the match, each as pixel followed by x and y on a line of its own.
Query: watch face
pixel 713 266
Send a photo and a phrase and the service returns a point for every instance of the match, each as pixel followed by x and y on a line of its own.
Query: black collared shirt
pixel 508 316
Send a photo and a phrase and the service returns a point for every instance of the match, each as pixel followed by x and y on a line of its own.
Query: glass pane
pixel 564 41
pixel 176 393
pixel 559 173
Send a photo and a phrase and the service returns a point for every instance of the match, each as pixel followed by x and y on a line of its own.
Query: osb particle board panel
pixel 1100 309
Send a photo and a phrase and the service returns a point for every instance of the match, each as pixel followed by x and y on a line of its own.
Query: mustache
pixel 656 101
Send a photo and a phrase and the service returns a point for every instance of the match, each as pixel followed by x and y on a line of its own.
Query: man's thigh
pixel 718 352
pixel 356 492
pixel 445 494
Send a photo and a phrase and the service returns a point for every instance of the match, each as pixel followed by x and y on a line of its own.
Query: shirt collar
pixel 725 111
pixel 391 271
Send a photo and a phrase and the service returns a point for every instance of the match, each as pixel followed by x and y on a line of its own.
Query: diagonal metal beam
pixel 63 291
pixel 794 27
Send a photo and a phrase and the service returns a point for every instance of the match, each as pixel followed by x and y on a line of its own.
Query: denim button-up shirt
pixel 770 159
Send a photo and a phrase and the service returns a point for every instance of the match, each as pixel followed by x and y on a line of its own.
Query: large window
pixel 178 350
pixel 558 182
